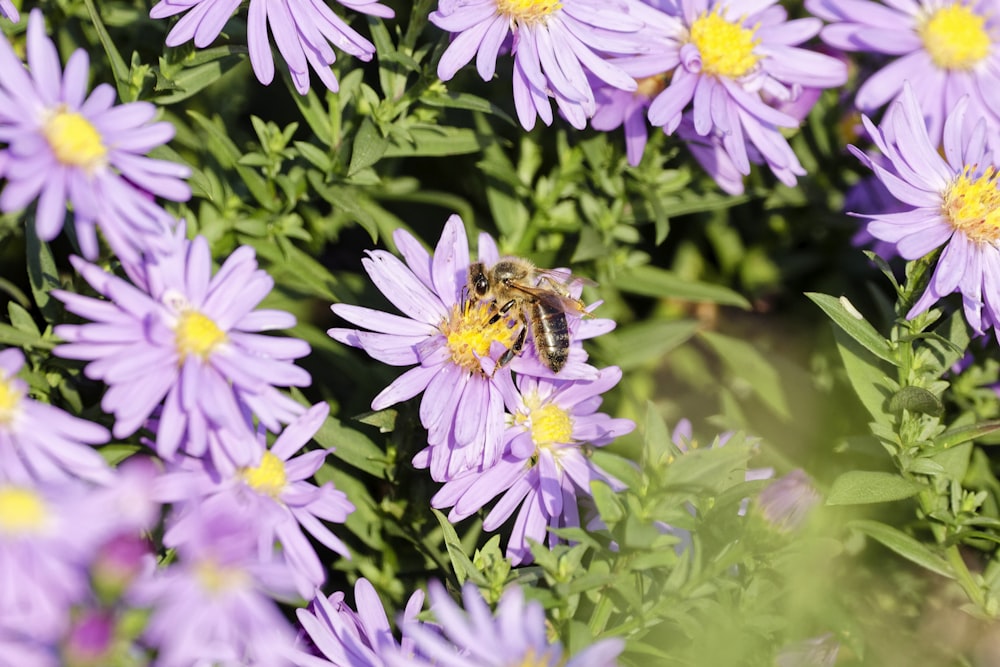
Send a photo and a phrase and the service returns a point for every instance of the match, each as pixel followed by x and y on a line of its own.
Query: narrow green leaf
pixel 17 338
pixel 868 375
pixel 191 80
pixel 848 319
pixel 747 363
pixel 957 436
pixel 467 101
pixel 436 141
pixel 861 487
pixel 608 505
pixel 657 282
pixel 368 148
pixel 646 342
pixel 904 545
pixel 43 275
pixel 352 447
pixel 118 66
pixel 460 561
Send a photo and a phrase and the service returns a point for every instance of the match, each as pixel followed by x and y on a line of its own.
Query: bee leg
pixel 514 349
pixel 503 311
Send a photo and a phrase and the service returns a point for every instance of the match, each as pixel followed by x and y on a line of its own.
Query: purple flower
pixel 214 605
pixel 951 201
pixel 305 32
pixel 947 49
pixel 276 495
pixel 545 467
pixel 192 341
pixel 556 44
pixel 63 146
pixel 9 11
pixel 39 441
pixel 816 652
pixel 787 501
pixel 349 638
pixel 476 637
pixel 867 197
pixel 46 543
pixel 18 650
pixel 724 57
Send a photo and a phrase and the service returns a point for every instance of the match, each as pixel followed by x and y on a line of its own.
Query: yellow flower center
pixel 532 659
pixel 551 425
pixel 10 401
pixel 726 48
pixel 218 579
pixel 955 37
pixel 22 511
pixel 972 206
pixel 197 334
pixel 75 142
pixel 268 478
pixel 470 334
pixel 527 11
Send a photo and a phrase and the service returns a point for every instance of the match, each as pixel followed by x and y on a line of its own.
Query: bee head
pixel 478 283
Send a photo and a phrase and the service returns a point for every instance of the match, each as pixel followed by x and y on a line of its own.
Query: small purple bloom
pixel 191 341
pixel 214 604
pixel 476 637
pixel 276 495
pixel 947 49
pixel 951 200
pixel 349 638
pixel 787 501
pixel 556 45
pixel 305 32
pixel 545 467
pixel 731 60
pixel 816 652
pixel 39 441
pixel 64 146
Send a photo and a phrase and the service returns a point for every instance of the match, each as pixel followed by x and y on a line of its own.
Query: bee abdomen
pixel 551 336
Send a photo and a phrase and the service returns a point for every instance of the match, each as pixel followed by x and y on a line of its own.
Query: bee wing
pixel 553 299
pixel 562 277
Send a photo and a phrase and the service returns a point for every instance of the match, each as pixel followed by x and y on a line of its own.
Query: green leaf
pixel 118 66
pixel 904 545
pixel 191 80
pixel 868 375
pixel 368 148
pixel 645 343
pixel 43 275
pixel 744 361
pixel 18 338
pixel 608 505
pixel 652 281
pixel 957 436
pixel 861 487
pixel 436 141
pixel 466 101
pixel 916 399
pixel 848 319
pixel 460 562
pixel 352 447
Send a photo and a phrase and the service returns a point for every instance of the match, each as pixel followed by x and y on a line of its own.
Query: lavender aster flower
pixel 305 32
pixel 556 44
pixel 190 340
pixel 951 201
pixel 787 501
pixel 545 466
pixel 213 605
pixel 276 495
pixel 952 48
pixel 724 56
pixel 349 638
pixel 64 146
pixel 476 637
pixel 40 441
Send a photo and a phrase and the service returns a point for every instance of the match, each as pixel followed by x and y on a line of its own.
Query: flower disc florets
pixel 528 11
pixel 726 48
pixel 471 333
pixel 955 37
pixel 972 205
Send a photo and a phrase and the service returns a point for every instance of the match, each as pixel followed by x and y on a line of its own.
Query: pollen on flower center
pixel 470 334
pixel 197 334
pixel 955 37
pixel 532 659
pixel 218 579
pixel 972 206
pixel 551 425
pixel 10 401
pixel 21 510
pixel 268 478
pixel 74 140
pixel 726 48
pixel 527 11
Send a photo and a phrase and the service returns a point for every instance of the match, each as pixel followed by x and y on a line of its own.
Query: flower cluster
pixel 518 427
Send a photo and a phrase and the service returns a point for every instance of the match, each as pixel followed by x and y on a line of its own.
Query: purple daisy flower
pixel 64 146
pixel 39 441
pixel 305 32
pixel 192 341
pixel 476 637
pixel 349 638
pixel 556 44
pixel 951 201
pixel 46 542
pixel 787 501
pixel 952 48
pixel 9 11
pixel 724 57
pixel 545 467
pixel 275 494
pixel 214 604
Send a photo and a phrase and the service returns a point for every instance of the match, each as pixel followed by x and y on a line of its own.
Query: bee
pixel 541 300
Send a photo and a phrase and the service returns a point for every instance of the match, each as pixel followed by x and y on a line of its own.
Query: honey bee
pixel 541 298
